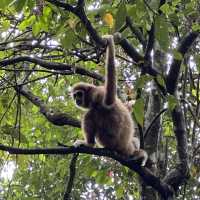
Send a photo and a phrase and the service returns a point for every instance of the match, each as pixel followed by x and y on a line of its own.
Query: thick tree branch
pixel 139 59
pixel 80 3
pixel 52 66
pixel 173 75
pixel 56 117
pixel 145 174
pixel 66 6
pixel 128 48
pixel 181 134
pixel 136 31
pixel 181 173
pixel 150 43
pixel 72 174
pixel 80 13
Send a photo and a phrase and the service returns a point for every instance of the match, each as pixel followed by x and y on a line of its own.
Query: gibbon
pixel 107 119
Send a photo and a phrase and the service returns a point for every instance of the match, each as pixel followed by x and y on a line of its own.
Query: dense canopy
pixel 46 46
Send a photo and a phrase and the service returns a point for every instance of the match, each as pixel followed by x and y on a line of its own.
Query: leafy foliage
pixel 39 29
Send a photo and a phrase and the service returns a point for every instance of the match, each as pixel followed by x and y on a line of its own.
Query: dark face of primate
pixel 79 97
pixel 82 97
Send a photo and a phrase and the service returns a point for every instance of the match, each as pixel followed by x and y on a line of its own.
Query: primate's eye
pixel 78 94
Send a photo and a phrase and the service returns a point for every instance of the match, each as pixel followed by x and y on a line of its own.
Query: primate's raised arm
pixel 111 80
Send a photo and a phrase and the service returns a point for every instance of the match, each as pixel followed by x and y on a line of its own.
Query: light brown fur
pixel 107 120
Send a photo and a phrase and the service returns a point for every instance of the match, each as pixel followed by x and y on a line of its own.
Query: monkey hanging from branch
pixel 107 119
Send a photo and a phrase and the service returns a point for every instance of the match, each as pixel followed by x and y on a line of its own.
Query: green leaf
pixel 177 55
pixel 161 32
pixel 42 157
pixel 131 10
pixel 160 80
pixel 140 83
pixel 154 4
pixel 175 2
pixel 27 22
pixel 174 19
pixel 141 9
pixel 5 25
pixel 36 28
pixel 19 4
pixel 194 92
pixel 172 102
pixel 140 5
pixel 31 4
pixel 138 111
pixel 2 55
pixel 101 177
pixel 80 29
pixel 168 128
pixel 189 8
pixel 4 3
pixel 47 11
pixel 120 192
pixel 165 8
pixel 44 24
pixel 68 39
pixel 120 16
pixel 196 27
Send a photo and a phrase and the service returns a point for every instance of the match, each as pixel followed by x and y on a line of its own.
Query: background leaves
pixel 38 29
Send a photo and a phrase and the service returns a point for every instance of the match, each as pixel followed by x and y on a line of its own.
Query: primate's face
pixel 82 94
pixel 79 97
